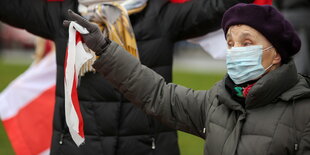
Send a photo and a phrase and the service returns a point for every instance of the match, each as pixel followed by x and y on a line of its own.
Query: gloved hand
pixel 94 39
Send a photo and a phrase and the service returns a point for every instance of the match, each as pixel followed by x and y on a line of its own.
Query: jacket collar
pixel 266 90
pixel 272 85
pixel 237 91
pixel 300 90
pixel 226 98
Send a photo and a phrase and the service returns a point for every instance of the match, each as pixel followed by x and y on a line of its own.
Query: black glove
pixel 94 39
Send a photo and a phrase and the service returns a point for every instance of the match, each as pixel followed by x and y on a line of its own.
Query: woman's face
pixel 243 35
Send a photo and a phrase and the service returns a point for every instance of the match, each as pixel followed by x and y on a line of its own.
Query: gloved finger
pixel 66 23
pixel 80 20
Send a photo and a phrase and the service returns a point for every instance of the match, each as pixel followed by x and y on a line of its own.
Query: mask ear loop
pixel 271 62
pixel 267 48
pixel 269 67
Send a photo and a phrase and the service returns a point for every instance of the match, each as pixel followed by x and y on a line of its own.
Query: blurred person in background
pixel 261 107
pixel 298 13
pixel 42 48
pixel 112 125
pixel 15 38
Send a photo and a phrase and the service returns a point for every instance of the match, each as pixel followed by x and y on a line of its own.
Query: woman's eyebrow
pixel 242 36
pixel 245 35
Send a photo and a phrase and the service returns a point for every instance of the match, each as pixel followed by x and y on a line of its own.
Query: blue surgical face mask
pixel 245 63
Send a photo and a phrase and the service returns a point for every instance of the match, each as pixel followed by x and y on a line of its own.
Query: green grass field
pixel 189 145
pixel 8 72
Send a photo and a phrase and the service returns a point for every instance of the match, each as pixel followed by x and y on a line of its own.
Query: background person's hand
pixel 94 39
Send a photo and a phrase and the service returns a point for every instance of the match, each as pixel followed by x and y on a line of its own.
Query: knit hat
pixel 268 21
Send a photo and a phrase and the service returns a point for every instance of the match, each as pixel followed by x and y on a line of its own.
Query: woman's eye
pixel 247 44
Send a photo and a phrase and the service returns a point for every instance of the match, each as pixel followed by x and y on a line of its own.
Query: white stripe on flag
pixel 28 86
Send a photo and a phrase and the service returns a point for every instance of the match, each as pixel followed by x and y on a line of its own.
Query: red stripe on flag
pixel 30 131
pixel 263 2
pixel 78 37
pixel 74 95
pixel 178 1
pixel 76 104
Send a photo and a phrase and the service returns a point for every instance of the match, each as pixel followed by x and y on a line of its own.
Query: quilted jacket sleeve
pixel 179 107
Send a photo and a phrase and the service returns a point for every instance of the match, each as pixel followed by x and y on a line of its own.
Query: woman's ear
pixel 277 58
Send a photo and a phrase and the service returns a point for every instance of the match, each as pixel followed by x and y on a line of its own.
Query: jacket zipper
pixel 296 146
pixel 153 143
pixel 61 138
pixel 153 132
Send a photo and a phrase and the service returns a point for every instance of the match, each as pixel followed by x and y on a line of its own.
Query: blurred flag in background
pixel 27 104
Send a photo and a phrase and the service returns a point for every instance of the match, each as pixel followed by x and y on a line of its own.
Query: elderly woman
pixel 260 107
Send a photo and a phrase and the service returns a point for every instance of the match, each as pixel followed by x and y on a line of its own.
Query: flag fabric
pixel 76 56
pixel 27 107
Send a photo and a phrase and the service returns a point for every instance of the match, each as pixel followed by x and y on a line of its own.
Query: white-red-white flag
pixel 27 106
pixel 76 56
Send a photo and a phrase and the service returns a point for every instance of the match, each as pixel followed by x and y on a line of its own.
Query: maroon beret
pixel 267 20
